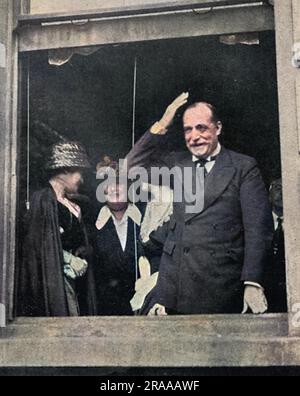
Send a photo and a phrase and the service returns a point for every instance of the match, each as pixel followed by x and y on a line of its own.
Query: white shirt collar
pixel 216 152
pixel 105 214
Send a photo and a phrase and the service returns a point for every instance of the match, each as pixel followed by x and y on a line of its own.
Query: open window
pixel 91 94
pixel 87 93
pixel 195 48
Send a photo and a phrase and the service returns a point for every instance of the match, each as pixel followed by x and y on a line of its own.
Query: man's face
pixel 200 132
pixel 72 181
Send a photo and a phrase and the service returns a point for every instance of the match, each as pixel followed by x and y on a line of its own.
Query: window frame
pixel 288 77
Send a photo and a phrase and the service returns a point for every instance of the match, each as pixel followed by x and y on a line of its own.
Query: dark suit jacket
pixel 208 255
pixel 115 269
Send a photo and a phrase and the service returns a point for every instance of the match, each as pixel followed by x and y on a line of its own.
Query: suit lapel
pixel 216 181
pixel 188 170
pixel 219 178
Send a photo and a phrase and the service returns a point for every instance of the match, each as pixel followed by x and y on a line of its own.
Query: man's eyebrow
pixel 188 127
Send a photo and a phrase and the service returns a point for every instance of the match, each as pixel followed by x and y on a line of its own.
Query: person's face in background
pixel 200 131
pixel 276 197
pixel 71 181
pixel 116 195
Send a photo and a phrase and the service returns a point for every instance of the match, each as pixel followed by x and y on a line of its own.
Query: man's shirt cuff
pixel 253 284
pixel 158 129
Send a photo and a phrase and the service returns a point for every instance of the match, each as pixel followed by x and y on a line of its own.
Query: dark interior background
pixel 90 98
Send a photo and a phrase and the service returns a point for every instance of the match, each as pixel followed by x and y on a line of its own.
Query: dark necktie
pixel 278 242
pixel 201 162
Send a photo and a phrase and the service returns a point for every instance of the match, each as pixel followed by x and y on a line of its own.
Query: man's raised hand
pixel 172 109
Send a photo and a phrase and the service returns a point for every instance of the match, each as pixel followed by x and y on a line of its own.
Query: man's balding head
pixel 206 106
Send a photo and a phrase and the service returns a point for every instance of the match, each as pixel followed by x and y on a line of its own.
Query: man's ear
pixel 219 126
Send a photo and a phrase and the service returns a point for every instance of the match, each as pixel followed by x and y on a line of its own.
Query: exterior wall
pixel 46 6
pixel 288 77
pixel 198 341
pixel 65 6
pixel 8 120
pixel 137 28
pixel 3 99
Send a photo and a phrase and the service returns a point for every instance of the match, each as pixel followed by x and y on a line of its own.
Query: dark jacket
pixel 115 270
pixel 275 275
pixel 208 255
pixel 41 287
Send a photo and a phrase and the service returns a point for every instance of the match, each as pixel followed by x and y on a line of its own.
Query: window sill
pixel 187 341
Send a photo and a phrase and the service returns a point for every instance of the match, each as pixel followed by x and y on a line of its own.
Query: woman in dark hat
pixel 55 279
